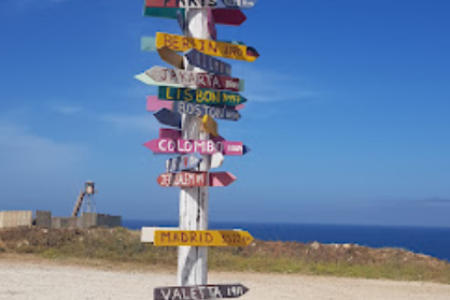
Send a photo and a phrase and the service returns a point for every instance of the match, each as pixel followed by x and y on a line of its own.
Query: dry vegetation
pixel 123 247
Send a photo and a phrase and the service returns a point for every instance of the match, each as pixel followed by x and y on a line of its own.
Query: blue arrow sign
pixel 169 118
pixel 208 63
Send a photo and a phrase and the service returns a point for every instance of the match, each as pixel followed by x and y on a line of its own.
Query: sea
pixel 425 240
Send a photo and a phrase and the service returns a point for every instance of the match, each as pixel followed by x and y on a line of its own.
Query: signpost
pixel 201 96
pixel 183 163
pixel 181 78
pixel 192 98
pixel 202 238
pixel 200 292
pixel 210 126
pixel 208 63
pixel 196 179
pixel 181 43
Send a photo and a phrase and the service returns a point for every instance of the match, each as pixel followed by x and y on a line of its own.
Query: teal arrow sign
pixel 201 96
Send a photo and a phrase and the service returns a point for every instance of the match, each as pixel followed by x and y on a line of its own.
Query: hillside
pixel 111 246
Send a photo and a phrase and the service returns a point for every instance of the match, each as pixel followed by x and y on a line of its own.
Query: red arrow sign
pixel 196 179
pixel 231 17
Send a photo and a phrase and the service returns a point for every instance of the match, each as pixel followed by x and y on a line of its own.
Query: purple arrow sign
pixel 208 63
pixel 154 104
pixel 193 109
pixel 169 118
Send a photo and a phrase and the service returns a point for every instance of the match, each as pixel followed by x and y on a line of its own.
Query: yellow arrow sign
pixel 181 43
pixel 210 126
pixel 207 238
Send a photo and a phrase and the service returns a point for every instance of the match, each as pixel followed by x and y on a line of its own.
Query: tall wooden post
pixel 193 261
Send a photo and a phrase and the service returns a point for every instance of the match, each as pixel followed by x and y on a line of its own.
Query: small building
pixel 9 219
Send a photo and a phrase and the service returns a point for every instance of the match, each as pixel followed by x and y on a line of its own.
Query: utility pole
pixel 193 261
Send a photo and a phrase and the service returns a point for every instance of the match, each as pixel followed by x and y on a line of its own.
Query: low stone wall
pixel 44 219
pixel 10 219
pixel 86 220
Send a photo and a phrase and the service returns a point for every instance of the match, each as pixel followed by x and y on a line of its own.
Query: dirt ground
pixel 41 280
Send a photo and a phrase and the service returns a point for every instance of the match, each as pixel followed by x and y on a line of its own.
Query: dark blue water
pixel 430 241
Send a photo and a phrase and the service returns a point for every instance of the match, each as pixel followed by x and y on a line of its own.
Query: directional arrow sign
pixel 169 118
pixel 200 292
pixel 229 4
pixel 181 43
pixel 183 163
pixel 206 238
pixel 231 17
pixel 210 126
pixel 182 78
pixel 208 63
pixel 201 96
pixel 204 147
pixel 199 110
pixel 195 179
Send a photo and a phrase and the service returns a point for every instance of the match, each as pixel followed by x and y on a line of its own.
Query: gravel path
pixel 40 281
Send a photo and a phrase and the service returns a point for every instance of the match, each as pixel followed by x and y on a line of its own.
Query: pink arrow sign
pixel 170 142
pixel 222 146
pixel 204 147
pixel 196 179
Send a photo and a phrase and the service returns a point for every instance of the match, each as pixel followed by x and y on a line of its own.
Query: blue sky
pixel 348 112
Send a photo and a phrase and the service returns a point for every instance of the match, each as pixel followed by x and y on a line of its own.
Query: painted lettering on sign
pixel 183 179
pixel 200 292
pixel 202 238
pixel 196 179
pixel 201 96
pixel 201 110
pixel 204 147
pixel 182 78
pixel 182 44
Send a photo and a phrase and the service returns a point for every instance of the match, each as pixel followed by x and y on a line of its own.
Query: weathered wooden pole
pixel 193 261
